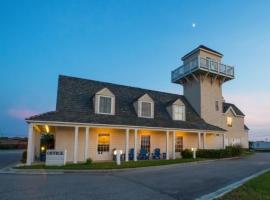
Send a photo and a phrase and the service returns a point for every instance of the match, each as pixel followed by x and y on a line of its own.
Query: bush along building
pixel 93 118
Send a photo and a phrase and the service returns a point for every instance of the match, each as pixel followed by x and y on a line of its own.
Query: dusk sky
pixel 120 41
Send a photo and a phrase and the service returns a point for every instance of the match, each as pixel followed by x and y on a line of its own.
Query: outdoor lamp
pixel 42 148
pixel 194 152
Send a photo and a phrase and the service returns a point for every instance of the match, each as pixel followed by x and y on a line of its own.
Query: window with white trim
pixel 146 109
pixel 105 105
pixel 145 142
pixel 103 142
pixel 179 144
pixel 178 112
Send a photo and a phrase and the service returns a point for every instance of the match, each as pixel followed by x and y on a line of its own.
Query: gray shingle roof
pixel 237 111
pixel 75 104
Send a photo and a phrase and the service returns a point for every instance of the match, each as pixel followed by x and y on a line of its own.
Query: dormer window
pixel 105 105
pixel 104 102
pixel 144 106
pixel 146 109
pixel 179 112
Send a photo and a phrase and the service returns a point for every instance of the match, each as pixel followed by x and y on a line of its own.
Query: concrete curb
pixel 99 171
pixel 222 191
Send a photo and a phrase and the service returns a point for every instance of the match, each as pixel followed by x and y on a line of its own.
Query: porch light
pixel 47 128
pixel 118 156
pixel 42 148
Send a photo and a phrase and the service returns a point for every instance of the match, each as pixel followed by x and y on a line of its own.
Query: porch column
pixel 135 144
pixel 199 140
pixel 75 148
pixel 167 145
pixel 173 147
pixel 224 145
pixel 86 143
pixel 204 140
pixel 30 145
pixel 127 144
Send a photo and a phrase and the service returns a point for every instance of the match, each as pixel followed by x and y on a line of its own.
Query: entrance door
pixel 103 147
pixel 47 141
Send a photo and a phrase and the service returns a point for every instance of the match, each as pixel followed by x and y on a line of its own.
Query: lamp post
pixel 194 152
pixel 118 154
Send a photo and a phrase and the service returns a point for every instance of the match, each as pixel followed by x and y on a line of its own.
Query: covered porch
pixel 98 142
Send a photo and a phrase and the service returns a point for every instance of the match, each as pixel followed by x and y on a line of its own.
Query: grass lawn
pixel 255 189
pixel 112 165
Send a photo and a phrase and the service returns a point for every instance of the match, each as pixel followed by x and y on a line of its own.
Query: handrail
pixel 205 64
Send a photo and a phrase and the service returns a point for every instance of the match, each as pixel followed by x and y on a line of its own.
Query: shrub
pixel 24 157
pixel 187 153
pixel 230 151
pixel 88 161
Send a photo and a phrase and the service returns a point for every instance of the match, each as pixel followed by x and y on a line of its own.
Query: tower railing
pixel 203 64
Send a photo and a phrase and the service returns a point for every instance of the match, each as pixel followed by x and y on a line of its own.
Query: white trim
pixel 127 145
pixel 75 148
pixel 72 124
pixel 135 144
pixel 98 103
pixel 231 108
pixel 167 144
pixel 140 109
pixel 86 143
pixel 173 145
pixel 30 145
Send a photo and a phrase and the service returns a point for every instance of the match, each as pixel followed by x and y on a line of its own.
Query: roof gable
pixel 236 111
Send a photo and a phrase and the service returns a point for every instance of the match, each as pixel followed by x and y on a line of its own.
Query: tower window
pixel 217 106
pixel 229 121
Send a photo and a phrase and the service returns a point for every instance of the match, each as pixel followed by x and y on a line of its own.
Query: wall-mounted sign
pixel 56 157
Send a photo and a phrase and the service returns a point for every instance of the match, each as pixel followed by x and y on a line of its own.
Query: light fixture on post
pixel 194 152
pixel 118 154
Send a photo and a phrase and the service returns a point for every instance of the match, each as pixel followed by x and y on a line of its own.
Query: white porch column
pixel 135 144
pixel 173 147
pixel 86 143
pixel 199 140
pixel 204 140
pixel 224 145
pixel 167 145
pixel 127 144
pixel 30 145
pixel 75 148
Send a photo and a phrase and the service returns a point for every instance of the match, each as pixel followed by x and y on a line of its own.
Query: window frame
pixel 179 147
pixel 148 146
pixel 109 143
pixel 151 109
pixel 183 116
pixel 111 107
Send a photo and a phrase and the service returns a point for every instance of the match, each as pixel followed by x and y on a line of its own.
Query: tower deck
pixel 203 66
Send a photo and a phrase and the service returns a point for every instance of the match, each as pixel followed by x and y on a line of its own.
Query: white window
pixel 179 144
pixel 103 142
pixel 145 142
pixel 179 112
pixel 146 109
pixel 105 105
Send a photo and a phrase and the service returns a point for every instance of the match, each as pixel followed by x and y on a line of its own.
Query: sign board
pixel 56 157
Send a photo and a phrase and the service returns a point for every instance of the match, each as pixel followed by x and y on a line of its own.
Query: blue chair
pixel 131 154
pixel 156 154
pixel 144 155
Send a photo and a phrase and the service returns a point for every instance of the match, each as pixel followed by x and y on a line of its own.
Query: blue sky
pixel 119 41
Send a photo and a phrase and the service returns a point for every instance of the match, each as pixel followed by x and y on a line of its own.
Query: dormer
pixel 104 102
pixel 177 110
pixel 144 106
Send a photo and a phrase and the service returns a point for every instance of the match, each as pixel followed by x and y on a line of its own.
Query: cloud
pixel 21 113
